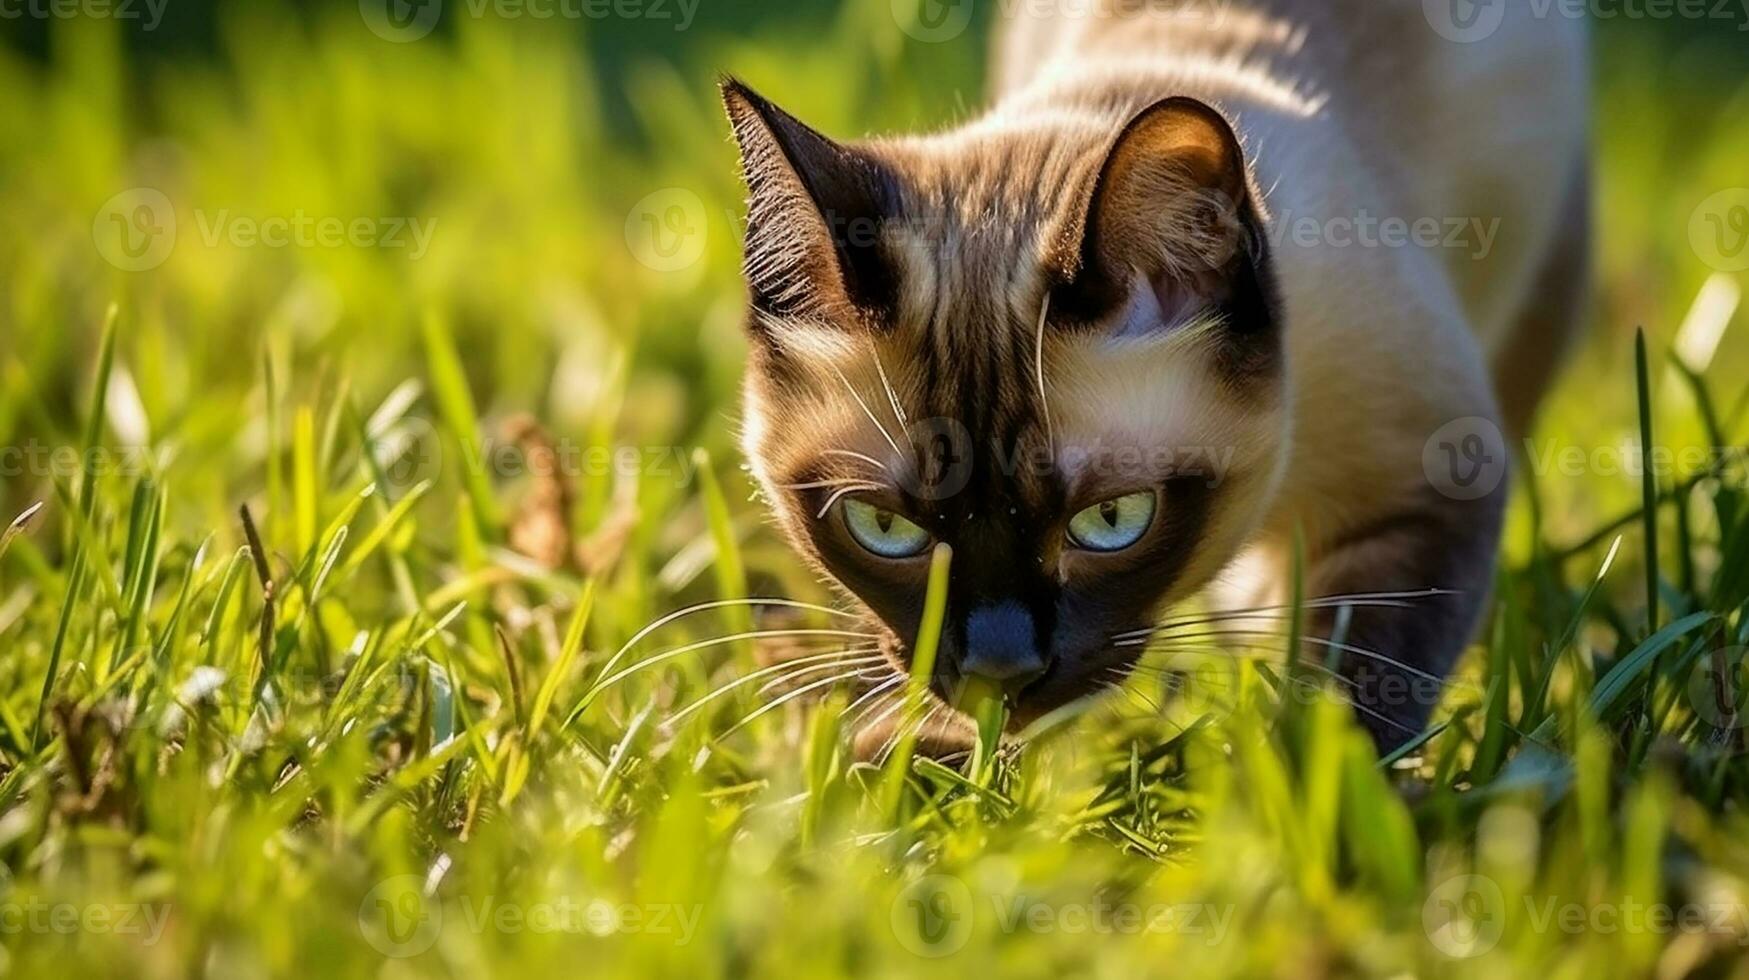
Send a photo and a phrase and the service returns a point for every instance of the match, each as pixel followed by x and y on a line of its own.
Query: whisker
pixel 837 482
pixel 871 415
pixel 837 658
pixel 667 655
pixel 1167 672
pixel 787 698
pixel 1363 709
pixel 839 494
pixel 1375 600
pixel 1133 694
pixel 696 608
pixel 892 399
pixel 1044 402
pixel 894 705
pixel 860 662
pixel 872 693
pixel 914 729
pixel 899 728
pixel 848 454
pixel 1327 644
pixel 1338 598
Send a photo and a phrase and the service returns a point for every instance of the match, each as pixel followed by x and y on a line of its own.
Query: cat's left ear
pixel 816 212
pixel 1171 229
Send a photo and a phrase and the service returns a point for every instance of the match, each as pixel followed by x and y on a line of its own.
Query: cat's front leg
pixel 1394 655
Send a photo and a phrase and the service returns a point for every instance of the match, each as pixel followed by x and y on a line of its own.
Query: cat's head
pixel 1051 342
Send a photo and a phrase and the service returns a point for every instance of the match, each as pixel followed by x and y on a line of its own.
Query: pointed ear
pixel 814 217
pixel 1170 228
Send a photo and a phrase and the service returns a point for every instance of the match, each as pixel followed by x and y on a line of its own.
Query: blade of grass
pixel 1635 665
pixel 917 690
pixel 730 572
pixel 455 404
pixel 18 525
pixel 143 578
pixel 87 501
pixel 561 668
pixel 304 502
pixel 275 465
pixel 1648 481
pixel 215 617
pixel 990 712
pixel 1542 716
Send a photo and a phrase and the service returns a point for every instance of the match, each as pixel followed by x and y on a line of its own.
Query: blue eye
pixel 883 532
pixel 1113 525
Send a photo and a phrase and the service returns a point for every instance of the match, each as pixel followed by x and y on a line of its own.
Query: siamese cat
pixel 1124 338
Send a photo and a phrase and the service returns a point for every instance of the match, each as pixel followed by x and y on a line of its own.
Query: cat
pixel 1126 337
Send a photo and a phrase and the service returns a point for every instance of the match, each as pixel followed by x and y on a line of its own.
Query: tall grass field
pixel 382 593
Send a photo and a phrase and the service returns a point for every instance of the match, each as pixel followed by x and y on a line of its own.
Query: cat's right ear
pixel 815 216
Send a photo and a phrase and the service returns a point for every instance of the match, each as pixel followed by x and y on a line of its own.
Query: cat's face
pixel 1054 349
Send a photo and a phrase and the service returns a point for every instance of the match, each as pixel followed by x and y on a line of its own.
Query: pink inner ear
pixel 1159 306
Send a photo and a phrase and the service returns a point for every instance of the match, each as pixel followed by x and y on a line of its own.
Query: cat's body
pixel 1147 271
pixel 1408 124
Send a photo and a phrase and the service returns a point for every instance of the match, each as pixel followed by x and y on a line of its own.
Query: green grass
pixel 356 723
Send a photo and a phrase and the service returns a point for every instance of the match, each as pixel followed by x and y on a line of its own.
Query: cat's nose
pixel 1002 646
